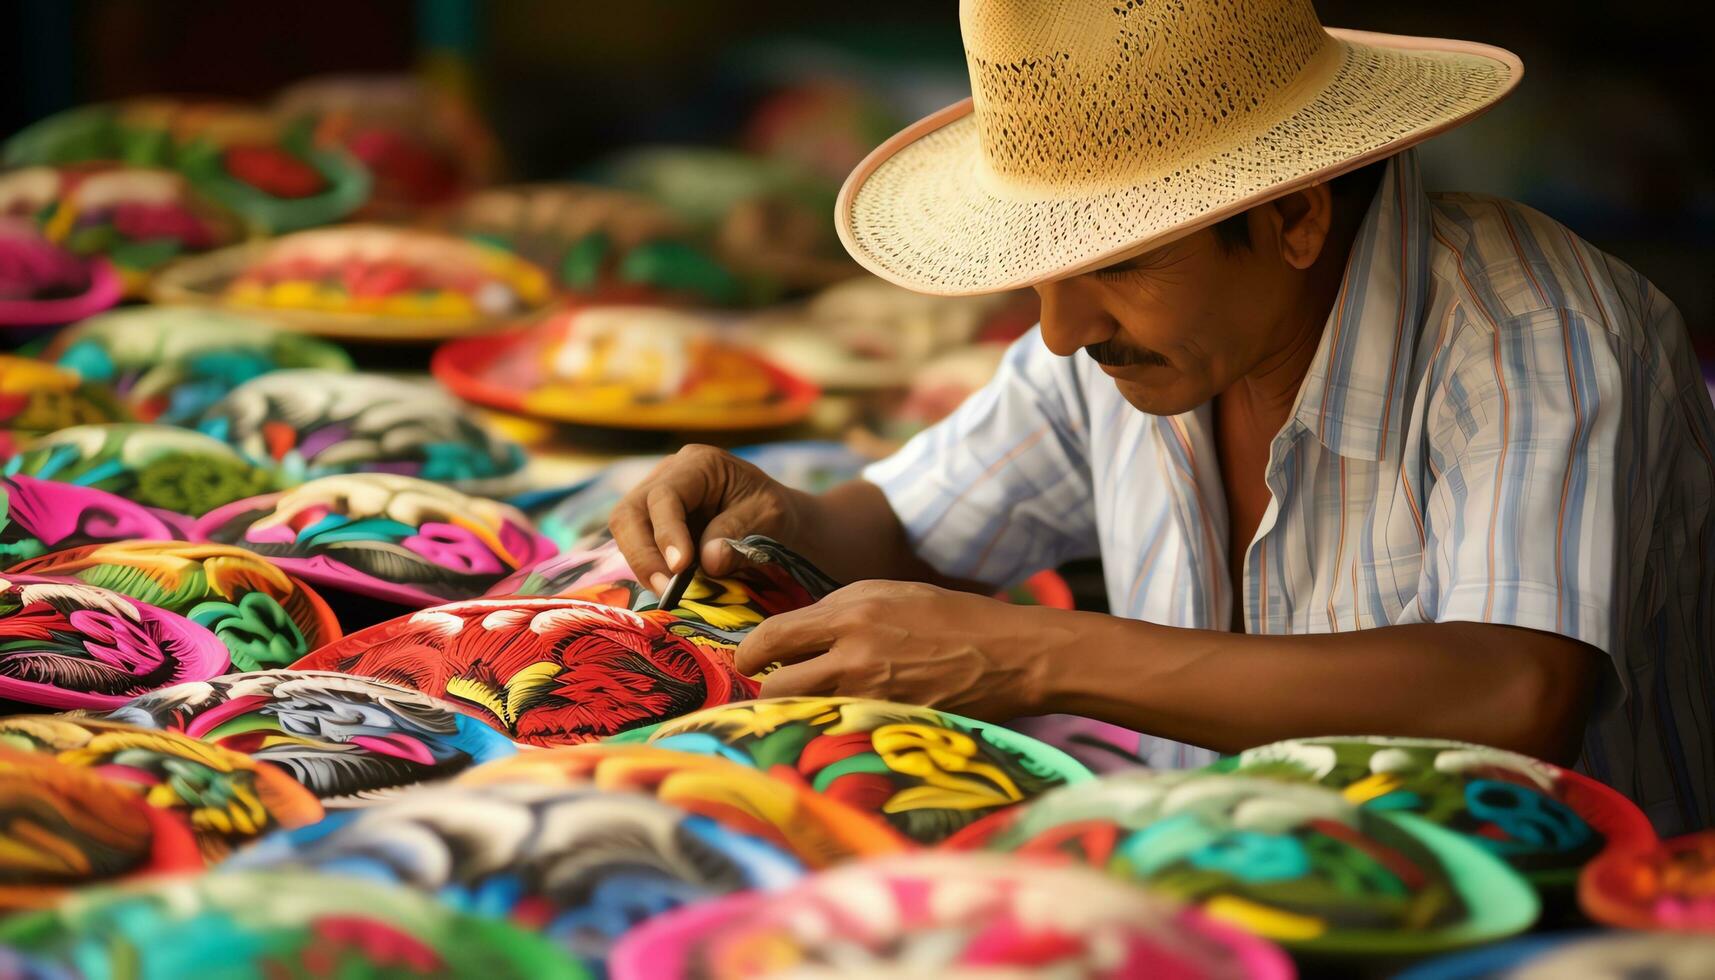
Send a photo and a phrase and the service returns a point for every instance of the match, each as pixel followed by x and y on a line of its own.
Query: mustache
pixel 1111 354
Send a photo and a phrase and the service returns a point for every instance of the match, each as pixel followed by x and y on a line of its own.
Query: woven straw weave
pixel 1101 128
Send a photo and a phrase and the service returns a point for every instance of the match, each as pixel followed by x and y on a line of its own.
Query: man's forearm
pixel 1502 686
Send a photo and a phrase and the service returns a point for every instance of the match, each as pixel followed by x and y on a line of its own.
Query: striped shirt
pixel 1501 424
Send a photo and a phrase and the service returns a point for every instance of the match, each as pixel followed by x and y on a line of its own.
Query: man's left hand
pixel 913 643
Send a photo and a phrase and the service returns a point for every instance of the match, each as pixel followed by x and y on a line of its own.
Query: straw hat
pixel 1100 129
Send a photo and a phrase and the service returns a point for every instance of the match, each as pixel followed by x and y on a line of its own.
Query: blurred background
pixel 1609 132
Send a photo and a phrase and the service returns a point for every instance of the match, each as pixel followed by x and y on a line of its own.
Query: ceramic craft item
pixel 43 284
pixel 268 172
pixel 1544 821
pixel 63 826
pixel 37 398
pixel 814 828
pixel 865 334
pixel 224 798
pixel 420 142
pixel 265 617
pixel 393 538
pixel 929 772
pixel 169 364
pixel 138 218
pixel 945 915
pixel 548 671
pixel 349 740
pixel 364 282
pixel 1670 885
pixel 629 367
pixel 600 244
pixel 578 866
pixel 1587 955
pixel 309 424
pixel 159 466
pixel 266 924
pixel 64 644
pixel 1295 863
pixel 769 579
pixel 766 220
pixel 39 516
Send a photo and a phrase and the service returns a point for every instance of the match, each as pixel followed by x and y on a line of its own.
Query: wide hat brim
pixel 923 211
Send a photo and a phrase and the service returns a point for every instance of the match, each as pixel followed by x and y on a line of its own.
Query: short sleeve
pixel 1001 488
pixel 1529 522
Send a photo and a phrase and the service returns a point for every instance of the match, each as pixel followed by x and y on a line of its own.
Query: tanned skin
pixel 1192 322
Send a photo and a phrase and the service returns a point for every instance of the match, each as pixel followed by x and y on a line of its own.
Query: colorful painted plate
pixel 626 367
pixel 1589 955
pixel 579 866
pixel 310 424
pixel 1668 886
pixel 37 398
pixel 1291 862
pixel 929 772
pixel 364 282
pixel 42 284
pixel 64 644
pixel 39 516
pixel 266 924
pixel 170 364
pixel 818 830
pixel 159 466
pixel 138 218
pixel 242 157
pixel 388 537
pixel 1544 821
pixel 422 144
pixel 349 740
pixel 773 579
pixel 945 915
pixel 224 798
pixel 62 826
pixel 547 671
pixel 265 617
pixel 600 243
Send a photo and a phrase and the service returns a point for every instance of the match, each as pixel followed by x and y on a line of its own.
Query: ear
pixel 1301 223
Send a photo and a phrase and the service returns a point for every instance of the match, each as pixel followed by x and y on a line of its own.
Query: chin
pixel 1158 399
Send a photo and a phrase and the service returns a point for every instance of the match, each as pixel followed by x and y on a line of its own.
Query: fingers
pixel 787 639
pixel 653 518
pixel 816 677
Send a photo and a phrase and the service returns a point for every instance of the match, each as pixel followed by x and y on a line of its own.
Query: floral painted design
pixel 547 671
pixel 63 826
pixel 171 363
pixel 929 772
pixel 265 617
pixel 38 516
pixel 64 644
pixel 1544 821
pixel 222 797
pixel 946 915
pixel 389 537
pixel 580 866
pixel 277 924
pixel 37 398
pixel 1295 863
pixel 349 740
pixel 154 465
pixel 311 424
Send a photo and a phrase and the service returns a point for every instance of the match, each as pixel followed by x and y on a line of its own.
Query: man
pixel 1355 459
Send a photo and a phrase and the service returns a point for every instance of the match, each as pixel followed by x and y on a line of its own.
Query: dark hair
pixel 1352 190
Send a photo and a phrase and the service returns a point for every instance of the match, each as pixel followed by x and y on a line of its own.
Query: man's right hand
pixel 695 498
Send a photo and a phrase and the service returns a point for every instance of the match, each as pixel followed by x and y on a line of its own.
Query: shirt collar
pixel 1354 390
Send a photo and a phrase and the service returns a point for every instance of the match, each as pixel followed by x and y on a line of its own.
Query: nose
pixel 1073 317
